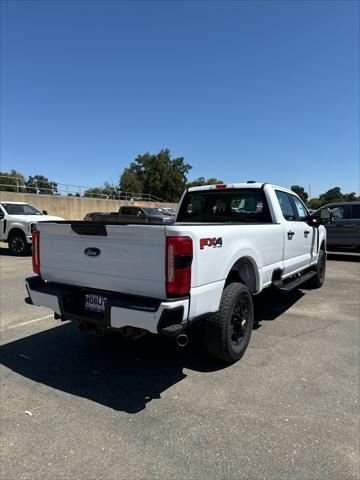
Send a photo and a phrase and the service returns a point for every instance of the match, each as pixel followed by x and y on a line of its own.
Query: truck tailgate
pixel 131 258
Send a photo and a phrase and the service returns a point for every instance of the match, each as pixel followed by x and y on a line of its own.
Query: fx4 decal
pixel 211 242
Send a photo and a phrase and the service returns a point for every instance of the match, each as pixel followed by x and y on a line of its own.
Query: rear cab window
pixel 225 206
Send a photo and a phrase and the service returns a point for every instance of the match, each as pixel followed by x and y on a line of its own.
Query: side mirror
pixel 325 215
pixel 2 215
pixel 321 217
pixel 45 212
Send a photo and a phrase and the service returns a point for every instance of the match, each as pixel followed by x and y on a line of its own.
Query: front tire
pixel 18 244
pixel 228 332
pixel 320 268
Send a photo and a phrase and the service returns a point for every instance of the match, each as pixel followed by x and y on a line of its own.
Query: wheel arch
pixel 246 271
pixel 13 230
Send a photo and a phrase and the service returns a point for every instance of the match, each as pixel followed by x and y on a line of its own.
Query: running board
pixel 289 285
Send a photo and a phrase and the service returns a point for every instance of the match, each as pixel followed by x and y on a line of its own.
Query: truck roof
pixel 238 185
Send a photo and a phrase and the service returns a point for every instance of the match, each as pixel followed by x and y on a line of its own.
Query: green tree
pixel 300 191
pixel 40 184
pixel 314 203
pixel 12 181
pixel 351 197
pixel 106 191
pixel 200 181
pixel 332 195
pixel 157 174
pixel 94 192
pixel 129 182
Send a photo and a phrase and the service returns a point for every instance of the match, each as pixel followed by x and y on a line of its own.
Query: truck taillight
pixel 179 254
pixel 36 252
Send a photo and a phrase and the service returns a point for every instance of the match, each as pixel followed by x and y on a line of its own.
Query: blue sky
pixel 243 90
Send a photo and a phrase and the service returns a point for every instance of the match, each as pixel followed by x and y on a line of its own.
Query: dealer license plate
pixel 95 303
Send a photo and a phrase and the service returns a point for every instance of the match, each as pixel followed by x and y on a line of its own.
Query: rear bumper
pixel 121 310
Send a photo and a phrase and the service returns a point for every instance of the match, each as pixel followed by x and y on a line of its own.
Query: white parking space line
pixel 27 323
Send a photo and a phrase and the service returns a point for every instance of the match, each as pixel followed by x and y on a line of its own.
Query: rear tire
pixel 18 244
pixel 228 332
pixel 320 268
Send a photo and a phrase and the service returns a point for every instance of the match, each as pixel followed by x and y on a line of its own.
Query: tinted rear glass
pixel 230 206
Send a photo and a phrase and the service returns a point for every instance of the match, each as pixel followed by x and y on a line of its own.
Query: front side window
pixel 302 213
pixel 338 213
pixel 228 205
pixel 20 209
pixel 286 206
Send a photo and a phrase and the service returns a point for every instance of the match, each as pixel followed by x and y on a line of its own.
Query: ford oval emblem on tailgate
pixel 92 251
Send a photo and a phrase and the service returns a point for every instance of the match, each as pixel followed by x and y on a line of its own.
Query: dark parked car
pixel 131 214
pixel 89 216
pixel 344 231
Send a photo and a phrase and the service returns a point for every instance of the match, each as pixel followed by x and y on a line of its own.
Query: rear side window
pixel 230 206
pixel 355 211
pixel 286 206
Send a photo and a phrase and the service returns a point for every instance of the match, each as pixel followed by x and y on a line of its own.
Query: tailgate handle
pixel 89 229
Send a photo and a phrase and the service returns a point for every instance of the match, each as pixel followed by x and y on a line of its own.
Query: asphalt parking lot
pixel 77 406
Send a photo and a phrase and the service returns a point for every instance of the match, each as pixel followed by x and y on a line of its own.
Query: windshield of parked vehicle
pixel 20 209
pixel 230 206
pixel 152 211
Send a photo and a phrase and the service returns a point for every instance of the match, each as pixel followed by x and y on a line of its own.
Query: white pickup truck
pixel 227 244
pixel 17 222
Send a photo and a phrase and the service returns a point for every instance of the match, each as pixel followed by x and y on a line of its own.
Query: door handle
pixel 290 235
pixel 306 233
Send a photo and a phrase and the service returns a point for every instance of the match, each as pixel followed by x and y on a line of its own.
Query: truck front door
pixel 299 236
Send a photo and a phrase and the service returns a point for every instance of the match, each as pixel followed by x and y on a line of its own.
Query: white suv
pixel 17 222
